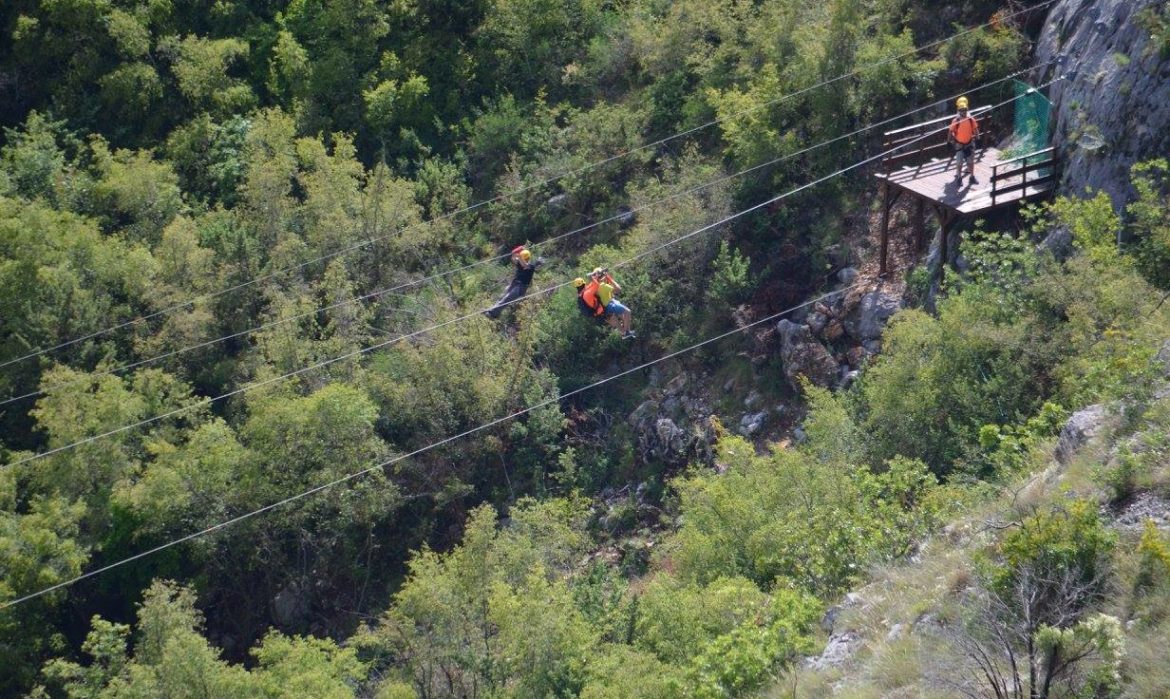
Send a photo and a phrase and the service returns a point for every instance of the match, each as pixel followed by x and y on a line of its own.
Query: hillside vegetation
pixel 242 256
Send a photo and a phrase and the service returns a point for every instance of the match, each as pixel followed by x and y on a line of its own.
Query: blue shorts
pixel 615 308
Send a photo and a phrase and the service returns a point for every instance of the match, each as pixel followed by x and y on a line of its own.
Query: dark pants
pixel 515 291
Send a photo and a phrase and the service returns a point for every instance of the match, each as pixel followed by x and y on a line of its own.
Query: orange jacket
pixel 964 129
pixel 589 295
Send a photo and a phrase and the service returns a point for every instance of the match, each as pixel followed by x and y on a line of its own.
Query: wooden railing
pixel 1042 162
pixel 927 139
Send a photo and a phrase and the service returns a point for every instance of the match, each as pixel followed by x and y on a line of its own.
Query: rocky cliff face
pixel 1115 108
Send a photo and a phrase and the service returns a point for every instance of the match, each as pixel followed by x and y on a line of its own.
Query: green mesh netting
pixel 1031 127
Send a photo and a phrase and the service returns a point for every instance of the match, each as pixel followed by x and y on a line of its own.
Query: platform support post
pixel 885 228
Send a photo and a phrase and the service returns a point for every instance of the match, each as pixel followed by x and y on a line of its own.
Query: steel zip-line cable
pixel 438 326
pixel 403 457
pixel 540 404
pixel 462 268
pixel 447 440
pixel 507 195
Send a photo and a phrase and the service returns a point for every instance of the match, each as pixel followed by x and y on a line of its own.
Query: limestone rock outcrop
pixel 1114 110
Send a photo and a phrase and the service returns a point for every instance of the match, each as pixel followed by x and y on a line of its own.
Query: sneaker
pixel 972 180
pixel 629 335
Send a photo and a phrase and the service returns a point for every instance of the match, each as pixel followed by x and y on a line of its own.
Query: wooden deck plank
pixel 935 180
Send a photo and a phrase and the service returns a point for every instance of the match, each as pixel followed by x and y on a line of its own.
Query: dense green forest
pixel 283 212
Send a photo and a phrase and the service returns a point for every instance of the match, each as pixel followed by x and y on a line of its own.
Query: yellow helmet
pixel 961 103
pixel 526 254
pixel 578 282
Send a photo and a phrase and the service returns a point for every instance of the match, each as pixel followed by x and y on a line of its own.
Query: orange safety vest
pixel 964 129
pixel 589 296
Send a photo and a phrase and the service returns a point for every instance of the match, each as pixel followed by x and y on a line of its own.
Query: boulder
pixel 840 648
pixel 643 412
pixel 670 436
pixel 626 217
pixel 1080 428
pixel 751 423
pixel 869 318
pixel 676 385
pixel 753 399
pixel 848 275
pixel 802 355
pixel 290 606
pixel 816 322
pixel 1163 359
pixel 661 437
pixel 1058 243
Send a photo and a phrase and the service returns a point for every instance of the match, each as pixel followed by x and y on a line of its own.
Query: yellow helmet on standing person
pixel 961 103
pixel 526 254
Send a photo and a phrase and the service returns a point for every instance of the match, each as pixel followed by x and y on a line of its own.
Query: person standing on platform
pixel 963 132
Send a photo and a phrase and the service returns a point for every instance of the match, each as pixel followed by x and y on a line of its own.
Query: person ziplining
pixel 962 134
pixel 521 280
pixel 597 299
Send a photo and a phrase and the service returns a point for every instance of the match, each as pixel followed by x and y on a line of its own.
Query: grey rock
pixel 751 423
pixel 643 412
pixel 728 385
pixel 850 378
pixel 896 631
pixel 802 355
pixel 1163 359
pixel 848 275
pixel 1080 428
pixel 834 300
pixel 625 217
pixel 868 320
pixel 671 437
pixel 872 347
pixel 1145 507
pixel 753 399
pixel 830 617
pixel 559 201
pixel 840 648
pixel 290 606
pixel 799 436
pixel 1112 112
pixel 816 322
pixel 926 620
pixel 1058 243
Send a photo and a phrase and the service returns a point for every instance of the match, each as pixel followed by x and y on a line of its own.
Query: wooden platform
pixel 934 180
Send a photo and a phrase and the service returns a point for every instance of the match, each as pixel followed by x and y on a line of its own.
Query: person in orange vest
pixel 521 280
pixel 963 131
pixel 596 299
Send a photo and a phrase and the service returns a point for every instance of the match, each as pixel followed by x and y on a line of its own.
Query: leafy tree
pixel 39 547
pixel 201 67
pixel 135 192
pixel 1151 220
pixel 1028 631
pixel 789 515
pixel 171 658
